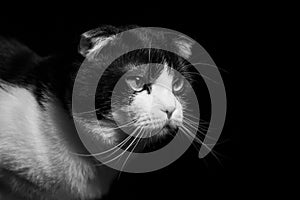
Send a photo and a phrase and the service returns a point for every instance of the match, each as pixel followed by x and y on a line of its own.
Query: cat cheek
pixel 122 116
pixel 178 115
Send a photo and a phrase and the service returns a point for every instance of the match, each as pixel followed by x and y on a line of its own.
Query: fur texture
pixel 37 135
pixel 39 146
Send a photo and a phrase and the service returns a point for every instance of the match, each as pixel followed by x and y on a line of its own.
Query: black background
pixel 188 177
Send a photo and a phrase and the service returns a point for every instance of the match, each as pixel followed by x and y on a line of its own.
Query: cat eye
pixel 178 85
pixel 135 82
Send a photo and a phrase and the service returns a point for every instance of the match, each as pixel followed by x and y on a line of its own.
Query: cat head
pixel 142 93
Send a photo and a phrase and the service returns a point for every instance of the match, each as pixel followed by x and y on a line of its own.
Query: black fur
pixel 55 75
pixel 22 67
pixel 16 62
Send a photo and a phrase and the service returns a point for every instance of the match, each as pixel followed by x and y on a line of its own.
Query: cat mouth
pixel 170 129
pixel 173 123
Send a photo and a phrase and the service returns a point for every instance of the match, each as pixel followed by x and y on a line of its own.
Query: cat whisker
pixel 103 152
pixel 186 113
pixel 122 143
pixel 189 135
pixel 195 124
pixel 186 109
pixel 198 131
pixel 118 156
pixel 111 149
pixel 190 120
pixel 123 125
pixel 206 64
pixel 202 75
pixel 202 124
pixel 192 135
pixel 184 130
pixel 199 121
pixel 142 134
pixel 86 112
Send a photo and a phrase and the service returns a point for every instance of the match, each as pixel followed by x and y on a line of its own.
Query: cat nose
pixel 169 111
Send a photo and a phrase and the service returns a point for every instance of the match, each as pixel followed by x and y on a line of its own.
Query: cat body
pixel 37 135
pixel 39 145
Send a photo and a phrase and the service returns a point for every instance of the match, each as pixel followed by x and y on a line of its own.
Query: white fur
pixel 98 44
pixel 41 141
pixel 150 108
pixel 184 48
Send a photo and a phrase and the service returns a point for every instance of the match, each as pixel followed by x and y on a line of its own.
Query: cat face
pixel 142 98
pixel 152 102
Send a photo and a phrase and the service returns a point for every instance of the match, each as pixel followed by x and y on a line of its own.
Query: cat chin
pixel 169 129
pixel 174 123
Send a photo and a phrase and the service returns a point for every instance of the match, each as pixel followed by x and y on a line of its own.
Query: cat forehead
pixel 165 77
pixel 154 69
pixel 141 70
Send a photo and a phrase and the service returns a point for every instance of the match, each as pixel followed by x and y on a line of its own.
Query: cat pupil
pixel 138 81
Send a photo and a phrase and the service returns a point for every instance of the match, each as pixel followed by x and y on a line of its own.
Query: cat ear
pixel 184 46
pixel 93 41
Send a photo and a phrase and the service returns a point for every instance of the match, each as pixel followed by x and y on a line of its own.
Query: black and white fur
pixel 38 140
pixel 37 135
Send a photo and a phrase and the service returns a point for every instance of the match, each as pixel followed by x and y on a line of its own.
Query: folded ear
pixel 93 41
pixel 184 46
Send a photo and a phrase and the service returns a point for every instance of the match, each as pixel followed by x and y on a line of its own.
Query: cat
pixel 40 150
